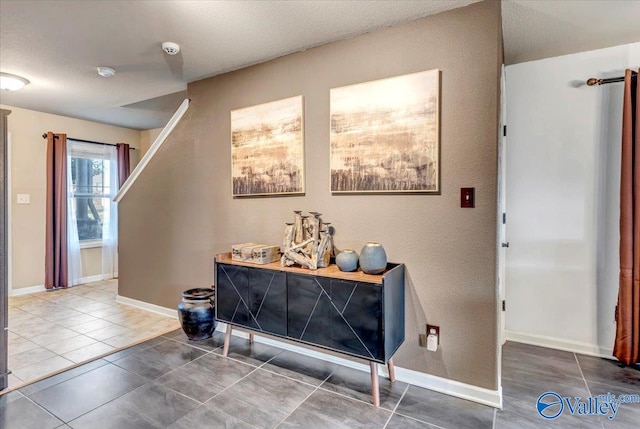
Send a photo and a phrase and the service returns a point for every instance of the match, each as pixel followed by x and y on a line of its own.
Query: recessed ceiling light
pixel 106 72
pixel 11 82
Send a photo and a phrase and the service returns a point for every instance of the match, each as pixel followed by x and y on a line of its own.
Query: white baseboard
pixel 164 311
pixel 492 398
pixel 91 279
pixel 560 344
pixel 27 290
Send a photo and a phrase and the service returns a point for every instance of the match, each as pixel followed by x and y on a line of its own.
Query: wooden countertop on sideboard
pixel 331 271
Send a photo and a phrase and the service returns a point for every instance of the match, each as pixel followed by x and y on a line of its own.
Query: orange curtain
pixel 124 165
pixel 56 272
pixel 627 345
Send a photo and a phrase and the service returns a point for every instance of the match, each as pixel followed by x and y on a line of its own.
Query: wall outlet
pixel 434 330
pixel 23 199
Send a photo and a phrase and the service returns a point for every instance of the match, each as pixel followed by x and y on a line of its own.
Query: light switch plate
pixel 23 199
pixel 468 197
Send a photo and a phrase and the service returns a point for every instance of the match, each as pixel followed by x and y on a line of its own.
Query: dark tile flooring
pixel 170 382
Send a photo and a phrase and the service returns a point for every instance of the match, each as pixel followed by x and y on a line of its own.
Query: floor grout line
pixel 396 407
pixel 582 374
pixel 495 416
pixel 298 406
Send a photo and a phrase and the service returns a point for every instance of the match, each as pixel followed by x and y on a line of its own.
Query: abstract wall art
pixel 384 135
pixel 267 149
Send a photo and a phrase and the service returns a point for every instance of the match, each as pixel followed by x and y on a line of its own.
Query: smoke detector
pixel 106 72
pixel 170 48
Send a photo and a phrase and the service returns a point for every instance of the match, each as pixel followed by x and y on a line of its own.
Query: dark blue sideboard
pixel 357 314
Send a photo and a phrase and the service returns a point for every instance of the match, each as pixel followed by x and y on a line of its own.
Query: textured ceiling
pixel 57 45
pixel 535 29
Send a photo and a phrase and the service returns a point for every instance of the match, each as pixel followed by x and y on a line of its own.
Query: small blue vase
pixel 347 260
pixel 373 258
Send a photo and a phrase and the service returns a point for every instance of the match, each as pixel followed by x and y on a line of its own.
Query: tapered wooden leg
pixel 375 389
pixel 392 373
pixel 227 340
pixel 250 338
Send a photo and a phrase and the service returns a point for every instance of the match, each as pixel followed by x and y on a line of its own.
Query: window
pixel 90 190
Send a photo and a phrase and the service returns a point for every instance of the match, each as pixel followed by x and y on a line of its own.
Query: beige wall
pixel 147 137
pixel 28 150
pixel 180 211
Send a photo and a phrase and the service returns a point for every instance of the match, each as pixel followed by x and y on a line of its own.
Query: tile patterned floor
pixel 171 382
pixel 50 331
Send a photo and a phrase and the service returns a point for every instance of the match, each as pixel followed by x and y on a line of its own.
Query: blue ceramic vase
pixel 197 313
pixel 373 258
pixel 347 260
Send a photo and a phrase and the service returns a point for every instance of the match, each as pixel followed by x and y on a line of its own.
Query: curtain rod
pixel 594 81
pixel 44 136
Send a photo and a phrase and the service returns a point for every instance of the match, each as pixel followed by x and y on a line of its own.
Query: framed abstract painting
pixel 267 149
pixel 384 135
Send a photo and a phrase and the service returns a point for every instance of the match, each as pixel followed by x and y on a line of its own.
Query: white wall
pixel 563 172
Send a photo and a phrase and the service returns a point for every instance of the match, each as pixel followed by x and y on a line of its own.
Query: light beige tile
pixel 29 357
pixel 94 325
pixel 32 326
pixel 70 344
pixel 39 369
pixel 156 321
pixel 36 306
pixel 101 296
pixel 55 334
pixel 108 332
pixel 88 352
pixel 127 339
pixel 48 296
pixel 133 315
pixel 110 310
pixel 90 308
pixel 14 381
pixel 22 300
pixel 18 344
pixel 123 317
pixel 20 317
pixel 76 302
pixel 163 327
pixel 15 311
pixel 108 288
pixel 61 313
pixel 76 320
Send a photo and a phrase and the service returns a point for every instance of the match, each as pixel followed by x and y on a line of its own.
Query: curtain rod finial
pixel 594 81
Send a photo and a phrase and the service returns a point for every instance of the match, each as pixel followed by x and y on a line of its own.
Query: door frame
pixel 4 284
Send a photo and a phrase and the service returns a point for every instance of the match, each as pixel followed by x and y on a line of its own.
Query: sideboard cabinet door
pixel 268 300
pixel 356 325
pixel 232 294
pixel 309 309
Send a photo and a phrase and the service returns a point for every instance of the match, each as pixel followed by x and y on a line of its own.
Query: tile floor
pixel 171 382
pixel 50 331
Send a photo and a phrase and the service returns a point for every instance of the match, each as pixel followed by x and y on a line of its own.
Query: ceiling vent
pixel 170 48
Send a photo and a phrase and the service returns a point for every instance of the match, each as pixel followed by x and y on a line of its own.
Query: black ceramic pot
pixel 197 313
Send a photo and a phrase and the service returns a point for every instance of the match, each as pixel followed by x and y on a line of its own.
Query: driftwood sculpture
pixel 306 242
